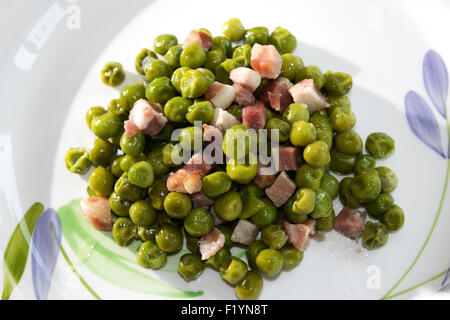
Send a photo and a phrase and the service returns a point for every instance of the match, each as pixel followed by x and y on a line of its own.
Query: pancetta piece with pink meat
pixel 266 60
pixel 306 92
pixel 223 120
pixel 244 232
pixel 200 200
pixel 98 212
pixel 198 37
pixel 243 96
pixel 350 222
pixel 281 190
pixel 254 116
pixel 220 95
pixel 299 234
pixel 211 243
pixel 246 78
pixel 145 117
pixel 288 158
pixel 276 94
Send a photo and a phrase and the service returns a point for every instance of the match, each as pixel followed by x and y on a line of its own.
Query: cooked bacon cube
pixel 299 234
pixel 220 95
pixel 350 222
pixel 254 116
pixel 266 61
pixel 145 117
pixel 198 37
pixel 244 96
pixel 276 94
pixel 245 232
pixel 281 190
pixel 223 120
pixel 211 243
pixel 200 200
pixel 306 92
pixel 246 77
pixel 98 212
pixel 288 158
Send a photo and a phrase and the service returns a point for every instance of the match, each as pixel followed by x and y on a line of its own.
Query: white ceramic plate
pixel 51 55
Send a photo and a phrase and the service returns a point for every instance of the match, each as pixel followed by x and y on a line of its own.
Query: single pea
pixel 115 168
pixel 375 235
pixel 342 120
pixel 338 102
pixel 133 145
pixel 282 127
pixel 192 243
pixel 243 54
pixel 190 266
pixel 141 174
pixel 124 231
pixel 242 173
pixel 251 205
pixel 309 177
pixel 296 112
pixel 253 250
pixel 142 213
pixel 200 111
pixel 269 262
pixel 251 190
pixel 337 83
pixel 130 94
pixel 142 58
pixel 77 161
pixel 156 68
pixel 177 75
pixel 106 125
pixel 208 74
pixel 216 184
pixel 213 59
pixel 363 163
pixel 366 187
pixel 169 151
pixel 302 133
pixel 380 205
pixel 257 35
pixel 290 215
pixel 157 193
pixel 177 205
pixel 228 206
pixel 93 112
pixel 222 43
pixel 236 142
pixel 323 205
pixel 330 185
pixel 193 56
pixel 283 40
pixel 160 90
pixel 326 223
pixel 345 193
pixel 193 84
pixel 317 154
pixel 223 70
pixel 198 222
pixel 233 29
pixel 291 66
pixel 250 287
pixel 219 258
pixel 155 159
pixel 119 108
pixel 169 238
pixel 172 56
pixel 393 218
pixel 128 191
pixel 236 111
pixel 119 206
pixel 191 138
pixel 304 201
pixel 233 270
pixel 163 42
pixel 341 162
pixel 291 257
pixel 102 153
pixel 101 181
pixel 148 233
pixel 176 109
pixel 348 142
pixel 274 236
pixel 126 161
pixel 388 179
pixel 311 72
pixel 112 74
pixel 150 256
pixel 266 216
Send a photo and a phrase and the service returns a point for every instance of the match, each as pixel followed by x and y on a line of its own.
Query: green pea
pixel 133 145
pixel 228 206
pixel 363 163
pixel 155 159
pixel 257 35
pixel 296 112
pixel 189 136
pixel 326 223
pixel 222 43
pixel 283 40
pixel 142 213
pixel 283 128
pixel 128 191
pixel 388 179
pixel 124 231
pixel 93 112
pixel 341 162
pixel 106 125
pixel 233 29
pixel 193 84
pixel 291 257
pixel 251 206
pixel 233 270
pixel 169 238
pixel 163 42
pixel 160 90
pixel 190 266
pixel 199 222
pixel 345 194
pixel 304 201
pixel 311 72
pixel 274 236
pixel 101 181
pixel 112 74
pixel 366 186
pixel 393 218
pixel 219 258
pixel 309 177
pixel 250 287
pixel 115 168
pixel 236 142
pixel 250 190
pixel 172 56
pixel 348 142
pixel 156 68
pixel 193 56
pixel 291 66
pixel 126 161
pixel 150 256
pixel 157 193
pixel 141 174
pixel 213 59
pixel 192 243
pixel 177 205
pixel 148 233
pixel 102 153
pixel 115 140
pixel 266 216
pixel 337 83
pixel 317 154
pixel 200 111
pixel 290 215
pixel 119 206
pixel 168 150
pixel 176 109
pixel 130 94
pixel 375 235
pixel 338 102
pixel 330 185
pixel 302 133
pixel 177 75
pixel 242 54
pixel 323 205
pixel 208 74
pixel 77 161
pixel 342 120
pixel 216 184
pixel 143 57
pixel 380 205
pixel 242 172
pixel 269 262
pixel 236 111
pixel 119 108
pixel 253 250
pixel 223 70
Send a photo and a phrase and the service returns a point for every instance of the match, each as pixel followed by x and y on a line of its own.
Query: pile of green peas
pixel 131 171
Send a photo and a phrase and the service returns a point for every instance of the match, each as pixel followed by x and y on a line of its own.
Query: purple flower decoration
pixel 435 78
pixel 444 284
pixel 45 242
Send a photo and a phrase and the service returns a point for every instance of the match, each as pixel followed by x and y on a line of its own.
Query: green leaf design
pixel 16 253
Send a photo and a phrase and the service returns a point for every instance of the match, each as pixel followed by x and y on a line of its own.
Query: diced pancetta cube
pixel 198 37
pixel 246 77
pixel 220 95
pixel 200 200
pixel 254 116
pixel 350 222
pixel 244 232
pixel 288 158
pixel 197 163
pixel 223 120
pixel 243 96
pixel 184 181
pixel 145 117
pixel 98 212
pixel 263 180
pixel 276 94
pixel 299 234
pixel 211 243
pixel 266 61
pixel 306 92
pixel 211 133
pixel 281 190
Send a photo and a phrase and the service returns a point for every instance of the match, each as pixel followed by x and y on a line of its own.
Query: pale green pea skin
pixel 77 161
pixel 380 145
pixel 291 257
pixel 388 179
pixel 93 112
pixel 163 42
pixel 124 231
pixel 155 159
pixel 130 94
pixel 216 184
pixel 119 206
pixel 133 145
pixel 242 173
pixel 257 35
pixel 141 174
pixel 198 222
pixel 150 256
pixel 283 40
pixel 101 181
pixel 304 201
pixel 250 287
pixel 296 112
pixel 242 55
pixel 341 162
pixel 233 29
pixel 177 75
pixel 290 215
pixel 172 57
pixel 142 58
pixel 177 205
pixel 176 109
pixel 266 216
pixel 160 91
pixel 317 154
pixel 274 236
pixel 156 68
pixel 228 206
pixel 251 206
pixel 311 72
pixel 302 133
pixel 208 74
pixel 323 205
pixel 142 213
pixel 128 191
pixel 348 142
pixel 233 270
pixel 309 177
pixel 269 262
pixel 366 187
pixel 326 223
pixel 224 44
pixel 112 74
pixel 393 218
pixel 291 66
pixel 283 128
pixel 106 125
pixel 236 142
pixel 337 83
pixel 330 184
pixel 380 205
pixel 213 59
pixel 193 84
pixel 200 111
pixel 193 56
pixel 375 235
pixel 363 163
pixel 342 120
pixel 345 193
pixel 190 266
